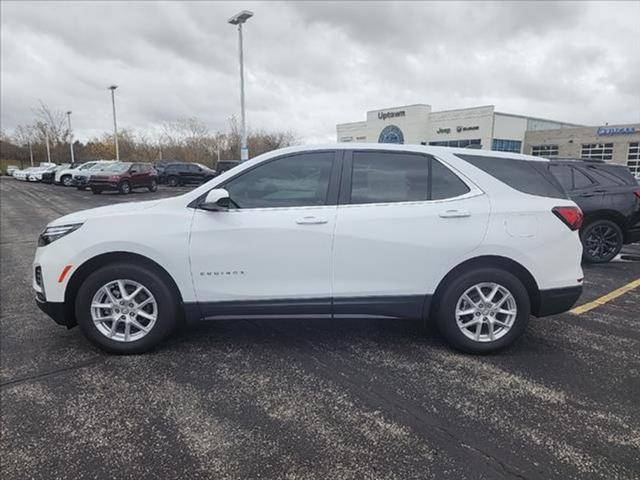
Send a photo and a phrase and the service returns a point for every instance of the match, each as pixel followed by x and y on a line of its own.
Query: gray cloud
pixel 311 65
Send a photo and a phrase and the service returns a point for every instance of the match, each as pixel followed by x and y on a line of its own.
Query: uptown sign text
pixel 385 115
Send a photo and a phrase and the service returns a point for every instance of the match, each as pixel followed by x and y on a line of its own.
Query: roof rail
pixel 573 159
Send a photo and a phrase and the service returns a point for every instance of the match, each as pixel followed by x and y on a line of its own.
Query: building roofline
pixel 539 118
pixel 466 108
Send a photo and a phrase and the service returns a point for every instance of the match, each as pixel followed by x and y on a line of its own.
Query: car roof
pixel 428 149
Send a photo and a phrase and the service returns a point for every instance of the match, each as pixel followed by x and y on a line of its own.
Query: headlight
pixel 51 234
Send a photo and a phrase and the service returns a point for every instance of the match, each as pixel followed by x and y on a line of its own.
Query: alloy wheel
pixel 124 310
pixel 601 241
pixel 486 312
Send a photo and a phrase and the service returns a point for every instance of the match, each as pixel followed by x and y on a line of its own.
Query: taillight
pixel 572 217
pixel 637 193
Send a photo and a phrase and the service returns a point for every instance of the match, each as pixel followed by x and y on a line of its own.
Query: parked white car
pixel 35 174
pixel 474 241
pixel 64 176
pixel 23 174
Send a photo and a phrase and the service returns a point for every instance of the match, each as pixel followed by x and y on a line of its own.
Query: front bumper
pixel 633 235
pixel 55 310
pixel 557 300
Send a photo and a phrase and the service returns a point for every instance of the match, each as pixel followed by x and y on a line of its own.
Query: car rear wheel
pixel 124 187
pixel 66 180
pixel 173 181
pixel 601 241
pixel 483 310
pixel 125 308
pixel 154 186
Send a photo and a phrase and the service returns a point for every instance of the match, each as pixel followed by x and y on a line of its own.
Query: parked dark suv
pixel 183 173
pixel 225 165
pixel 609 196
pixel 124 177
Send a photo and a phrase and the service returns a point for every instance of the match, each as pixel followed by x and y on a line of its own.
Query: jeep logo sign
pixel 385 115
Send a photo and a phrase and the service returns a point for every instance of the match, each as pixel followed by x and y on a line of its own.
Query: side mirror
pixel 217 200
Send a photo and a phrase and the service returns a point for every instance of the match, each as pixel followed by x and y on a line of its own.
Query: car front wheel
pixel 601 241
pixel 66 180
pixel 126 308
pixel 154 186
pixel 173 181
pixel 483 310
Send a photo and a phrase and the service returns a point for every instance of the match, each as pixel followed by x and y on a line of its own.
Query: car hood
pixel 109 210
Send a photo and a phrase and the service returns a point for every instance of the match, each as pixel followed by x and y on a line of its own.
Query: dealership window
pixel 499 145
pixel 633 158
pixel 475 143
pixel 597 151
pixel 544 150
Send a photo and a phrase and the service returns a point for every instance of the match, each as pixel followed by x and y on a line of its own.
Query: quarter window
pixel 580 180
pixel 444 183
pixel 292 181
pixel 597 151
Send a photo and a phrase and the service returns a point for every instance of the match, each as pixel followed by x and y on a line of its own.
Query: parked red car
pixel 124 177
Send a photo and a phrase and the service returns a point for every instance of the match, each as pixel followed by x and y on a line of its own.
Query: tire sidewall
pixel 125 190
pixel 446 320
pixel 165 298
pixel 173 181
pixel 584 233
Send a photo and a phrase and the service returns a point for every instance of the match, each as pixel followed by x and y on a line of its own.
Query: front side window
pixel 293 181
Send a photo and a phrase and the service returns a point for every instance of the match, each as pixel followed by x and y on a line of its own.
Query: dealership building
pixel 484 128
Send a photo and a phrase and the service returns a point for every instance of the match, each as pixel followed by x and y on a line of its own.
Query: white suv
pixel 474 241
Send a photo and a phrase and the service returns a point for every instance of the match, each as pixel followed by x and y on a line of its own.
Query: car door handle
pixel 454 214
pixel 311 221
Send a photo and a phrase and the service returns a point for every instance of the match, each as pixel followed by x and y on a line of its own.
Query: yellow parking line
pixel 606 298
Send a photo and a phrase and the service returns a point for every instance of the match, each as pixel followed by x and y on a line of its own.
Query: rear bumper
pixel 55 310
pixel 557 300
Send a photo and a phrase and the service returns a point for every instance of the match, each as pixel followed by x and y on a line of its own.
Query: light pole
pixel 70 137
pixel 46 137
pixel 115 125
pixel 30 152
pixel 238 19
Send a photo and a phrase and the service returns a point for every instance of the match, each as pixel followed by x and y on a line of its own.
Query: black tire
pixel 446 310
pixel 66 180
pixel 96 191
pixel 124 187
pixel 173 181
pixel 601 241
pixel 167 303
pixel 154 186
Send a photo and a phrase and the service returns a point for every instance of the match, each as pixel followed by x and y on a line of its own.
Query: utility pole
pixel 46 136
pixel 115 125
pixel 239 19
pixel 70 137
pixel 31 153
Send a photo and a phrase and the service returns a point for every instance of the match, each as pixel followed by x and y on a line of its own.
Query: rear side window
pixel 389 177
pixel 380 177
pixel 526 176
pixel 580 180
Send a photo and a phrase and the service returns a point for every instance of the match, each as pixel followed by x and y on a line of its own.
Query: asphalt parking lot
pixel 312 399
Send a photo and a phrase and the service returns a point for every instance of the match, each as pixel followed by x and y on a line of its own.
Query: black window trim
pixel 332 192
pixel 347 173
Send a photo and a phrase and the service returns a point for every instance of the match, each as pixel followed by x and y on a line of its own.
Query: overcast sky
pixel 312 65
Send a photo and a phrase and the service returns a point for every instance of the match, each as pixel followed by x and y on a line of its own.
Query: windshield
pixel 86 166
pixel 116 167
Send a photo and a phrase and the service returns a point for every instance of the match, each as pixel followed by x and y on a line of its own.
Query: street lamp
pixel 238 19
pixel 70 137
pixel 115 125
